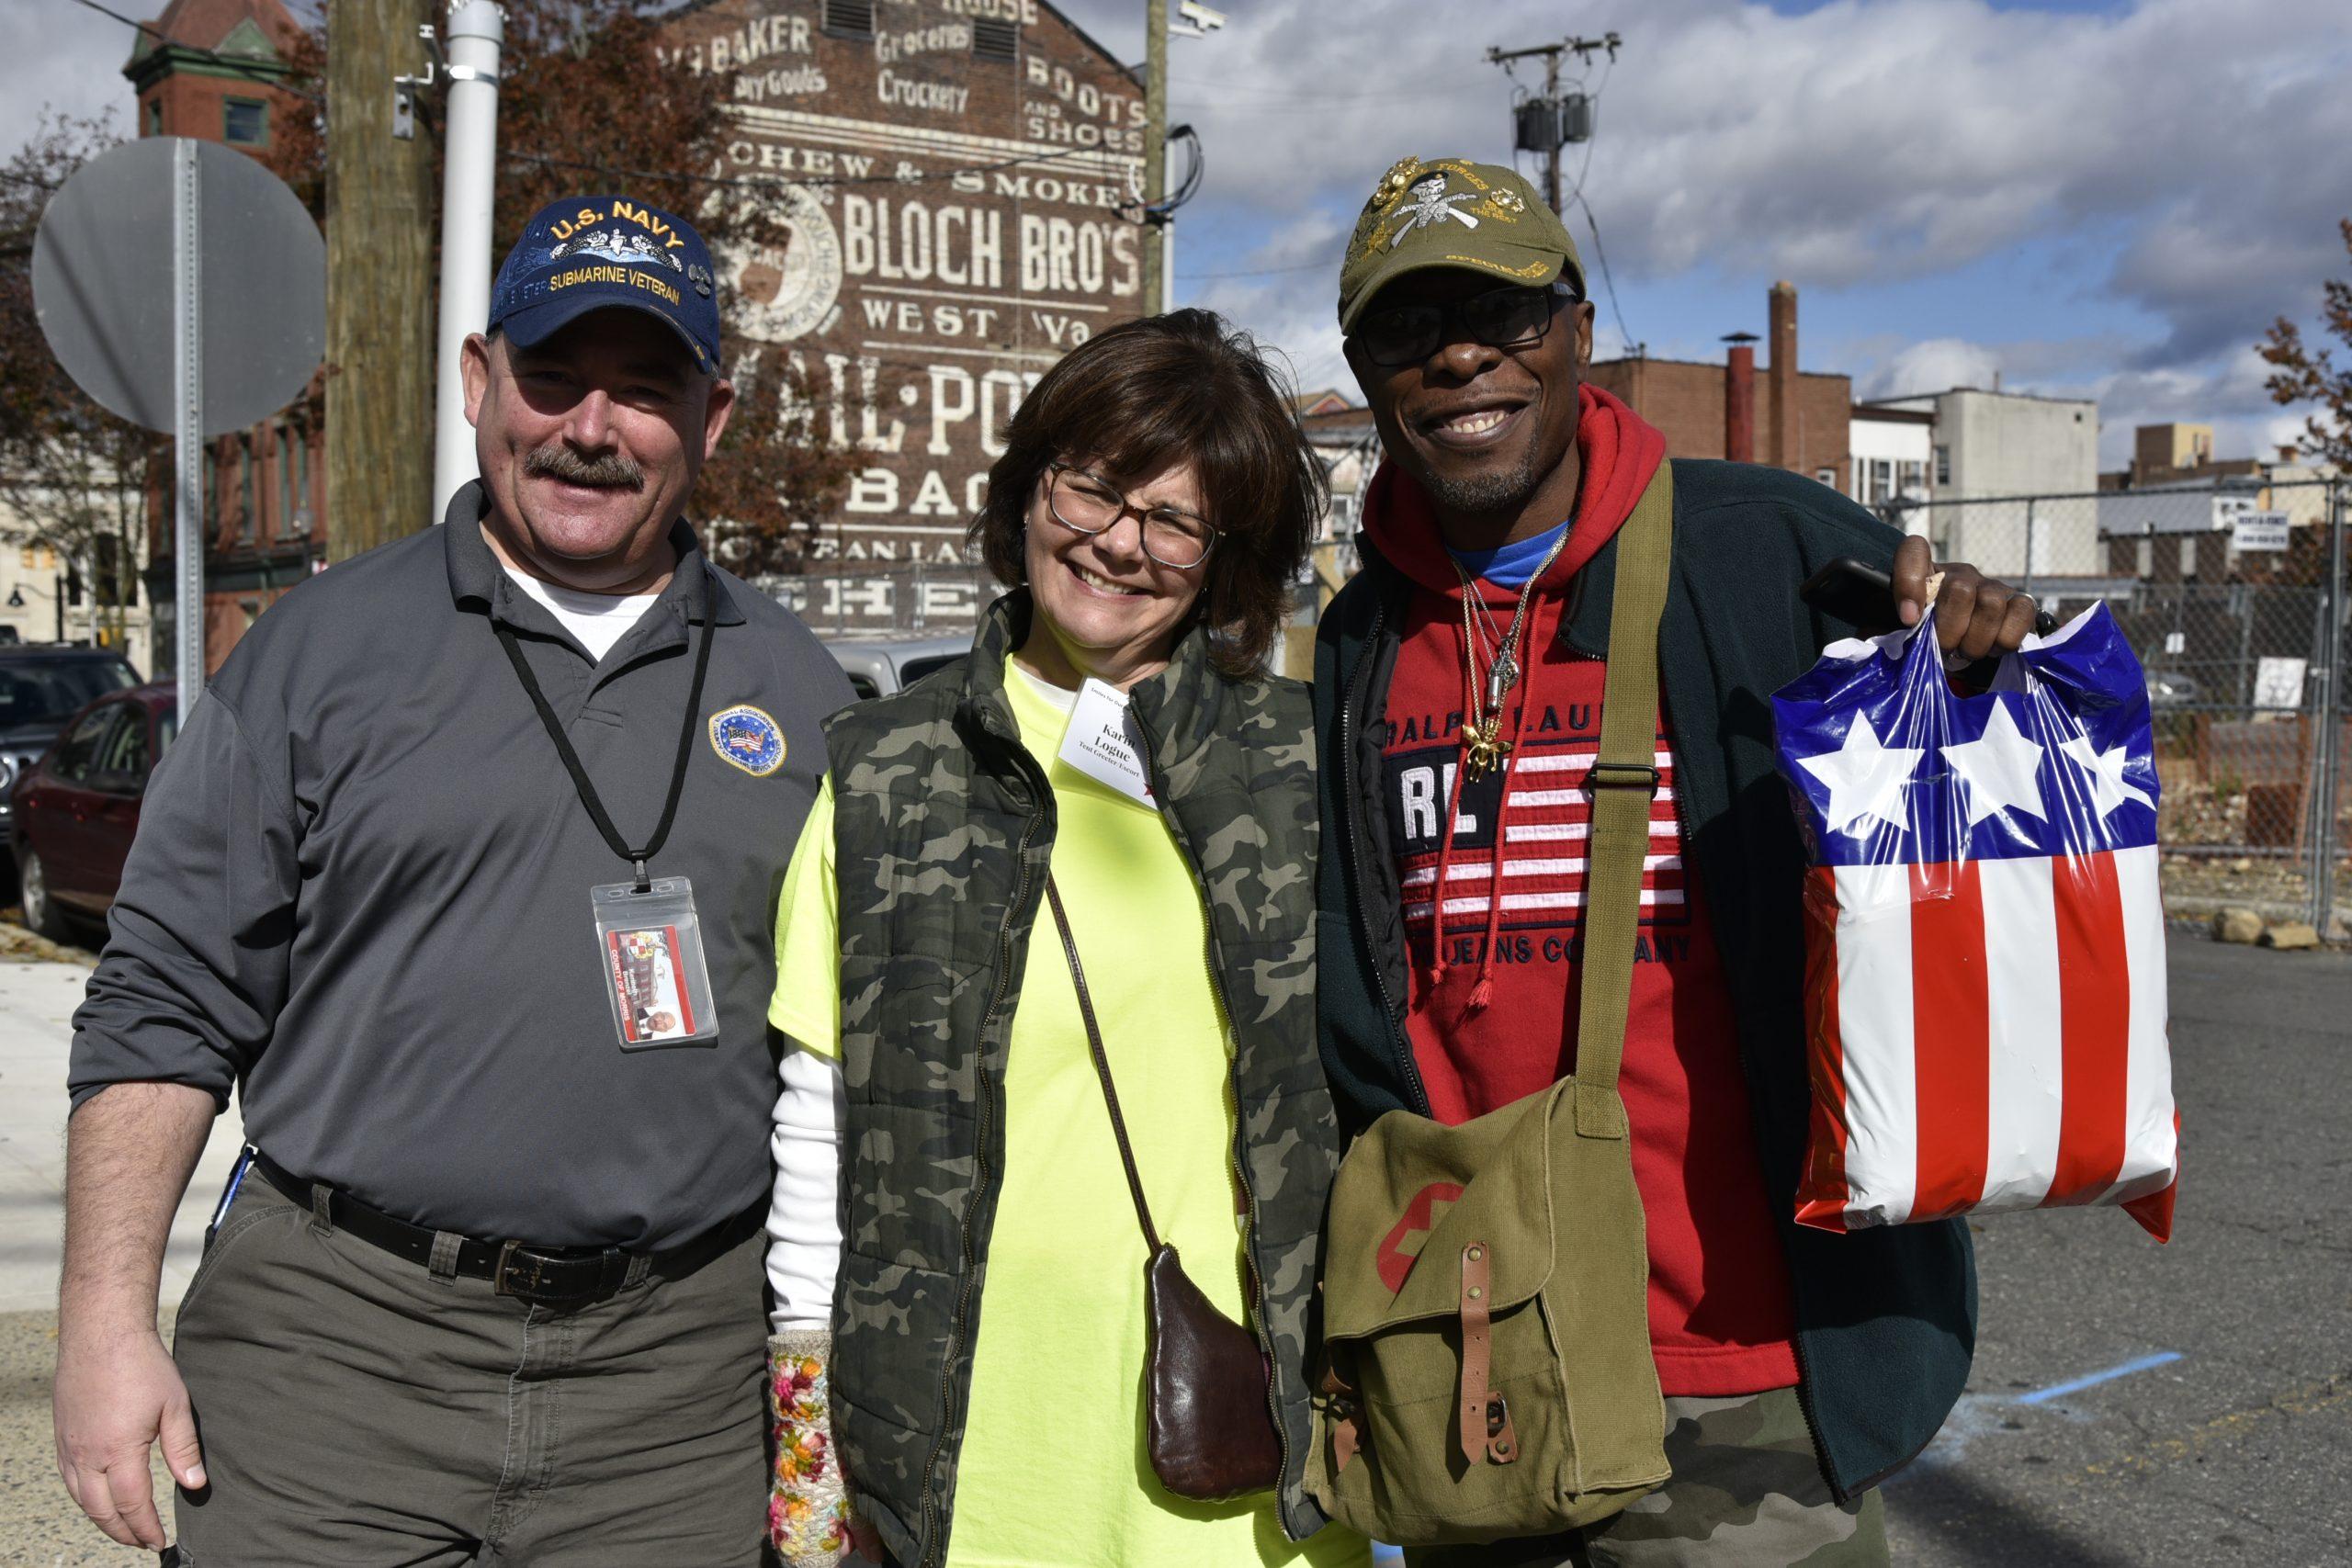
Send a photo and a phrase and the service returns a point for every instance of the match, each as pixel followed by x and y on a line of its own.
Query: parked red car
pixel 75 810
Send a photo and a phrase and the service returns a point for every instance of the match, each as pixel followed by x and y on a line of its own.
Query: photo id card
pixel 651 947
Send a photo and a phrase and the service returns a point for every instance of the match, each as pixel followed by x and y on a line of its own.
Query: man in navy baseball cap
pixel 520 1317
pixel 596 393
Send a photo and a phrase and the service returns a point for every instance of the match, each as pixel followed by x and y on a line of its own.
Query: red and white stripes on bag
pixel 1984 986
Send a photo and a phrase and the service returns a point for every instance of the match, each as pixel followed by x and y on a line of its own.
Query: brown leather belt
pixel 543 1276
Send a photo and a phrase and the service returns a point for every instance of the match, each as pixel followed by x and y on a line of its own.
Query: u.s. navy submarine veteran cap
pixel 585 254
pixel 1452 213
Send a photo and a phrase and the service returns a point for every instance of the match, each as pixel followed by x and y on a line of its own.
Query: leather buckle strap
pixel 1488 1436
pixel 1347 1434
pixel 554 1278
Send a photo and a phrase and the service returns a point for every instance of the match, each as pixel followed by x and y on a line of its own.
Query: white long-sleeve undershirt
pixel 804 1213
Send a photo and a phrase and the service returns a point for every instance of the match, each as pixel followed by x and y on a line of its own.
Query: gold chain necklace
pixel 1483 745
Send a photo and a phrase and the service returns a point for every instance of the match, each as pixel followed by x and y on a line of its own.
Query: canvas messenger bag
pixel 1497 1381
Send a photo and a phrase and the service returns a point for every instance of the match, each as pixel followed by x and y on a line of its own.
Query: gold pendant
pixel 1484 753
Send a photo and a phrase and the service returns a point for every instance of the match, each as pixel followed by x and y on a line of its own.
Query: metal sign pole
pixel 187 506
pixel 2331 720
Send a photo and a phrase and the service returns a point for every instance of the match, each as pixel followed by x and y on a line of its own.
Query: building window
pixel 107 551
pixel 848 18
pixel 995 39
pixel 245 490
pixel 1910 478
pixel 301 519
pixel 1943 465
pixel 1826 476
pixel 244 122
pixel 285 482
pixel 155 117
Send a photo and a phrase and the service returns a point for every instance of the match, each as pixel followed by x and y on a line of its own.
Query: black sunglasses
pixel 1500 318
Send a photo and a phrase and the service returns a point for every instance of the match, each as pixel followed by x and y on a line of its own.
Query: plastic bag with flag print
pixel 1984 974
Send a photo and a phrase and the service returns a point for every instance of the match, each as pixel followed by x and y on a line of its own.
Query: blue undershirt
pixel 1513 564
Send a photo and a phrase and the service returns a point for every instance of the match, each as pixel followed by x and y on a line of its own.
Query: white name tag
pixel 1102 744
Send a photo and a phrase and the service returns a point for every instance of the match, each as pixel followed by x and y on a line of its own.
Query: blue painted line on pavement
pixel 2075 1385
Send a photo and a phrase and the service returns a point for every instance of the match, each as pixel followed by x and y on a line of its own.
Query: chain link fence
pixel 2234 594
pixel 2233 591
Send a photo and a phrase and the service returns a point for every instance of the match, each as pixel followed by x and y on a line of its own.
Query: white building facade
pixel 2015 446
pixel 1892 449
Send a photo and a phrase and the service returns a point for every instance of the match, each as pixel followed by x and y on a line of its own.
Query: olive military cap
pixel 1452 213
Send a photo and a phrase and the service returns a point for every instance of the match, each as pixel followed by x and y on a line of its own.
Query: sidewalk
pixel 36 1003
pixel 40 1526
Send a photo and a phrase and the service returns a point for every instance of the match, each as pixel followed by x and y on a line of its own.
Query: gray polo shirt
pixel 361 891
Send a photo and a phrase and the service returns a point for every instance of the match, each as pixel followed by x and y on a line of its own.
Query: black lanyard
pixel 588 797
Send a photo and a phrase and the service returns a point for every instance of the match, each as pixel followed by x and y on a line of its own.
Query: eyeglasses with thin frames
pixel 1086 502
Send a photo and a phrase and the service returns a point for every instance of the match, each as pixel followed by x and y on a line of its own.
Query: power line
pixel 1594 223
pixel 1594 139
pixel 753 183
pixel 1307 103
pixel 1284 90
pixel 1266 271
pixel 244 68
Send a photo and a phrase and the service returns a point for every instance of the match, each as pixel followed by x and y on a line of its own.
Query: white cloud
pixel 2227 392
pixel 1932 365
pixel 60 58
pixel 1865 142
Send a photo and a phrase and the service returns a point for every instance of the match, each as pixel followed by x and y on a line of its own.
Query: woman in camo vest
pixel 962 1332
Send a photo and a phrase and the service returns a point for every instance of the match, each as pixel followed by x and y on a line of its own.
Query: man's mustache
pixel 610 472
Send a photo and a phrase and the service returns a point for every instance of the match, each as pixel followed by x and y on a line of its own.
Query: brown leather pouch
pixel 1208 1418
pixel 1207 1422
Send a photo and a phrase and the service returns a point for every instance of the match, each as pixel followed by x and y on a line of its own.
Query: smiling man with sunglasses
pixel 1461 680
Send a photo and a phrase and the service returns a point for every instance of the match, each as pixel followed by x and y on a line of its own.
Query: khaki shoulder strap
pixel 1623 783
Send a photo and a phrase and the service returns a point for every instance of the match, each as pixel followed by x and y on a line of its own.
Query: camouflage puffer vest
pixel 944 825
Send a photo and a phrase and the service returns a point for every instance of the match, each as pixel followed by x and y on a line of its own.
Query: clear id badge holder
pixel 650 943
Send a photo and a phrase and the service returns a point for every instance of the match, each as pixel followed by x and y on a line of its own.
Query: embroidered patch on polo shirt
pixel 749 739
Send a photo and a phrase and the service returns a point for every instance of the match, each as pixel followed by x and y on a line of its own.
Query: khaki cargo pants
pixel 1747 1493
pixel 356 1411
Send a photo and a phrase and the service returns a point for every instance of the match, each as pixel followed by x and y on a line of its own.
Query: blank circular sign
pixel 103 285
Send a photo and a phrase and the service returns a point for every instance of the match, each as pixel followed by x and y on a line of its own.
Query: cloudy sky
pixel 2102 197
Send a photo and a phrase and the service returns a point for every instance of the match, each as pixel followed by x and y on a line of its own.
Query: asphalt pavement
pixel 2133 1404
pixel 2189 1404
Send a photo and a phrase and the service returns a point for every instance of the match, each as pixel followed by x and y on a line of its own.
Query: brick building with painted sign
pixel 960 181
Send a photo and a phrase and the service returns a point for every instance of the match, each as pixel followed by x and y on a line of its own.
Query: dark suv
pixel 41 688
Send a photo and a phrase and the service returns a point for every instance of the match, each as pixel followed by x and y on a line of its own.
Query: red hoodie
pixel 1492 1020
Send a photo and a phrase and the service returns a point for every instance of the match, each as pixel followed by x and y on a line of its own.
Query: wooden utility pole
pixel 1155 151
pixel 380 284
pixel 1584 49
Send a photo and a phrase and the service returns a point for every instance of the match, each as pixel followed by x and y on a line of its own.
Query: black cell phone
pixel 1863 596
pixel 1860 595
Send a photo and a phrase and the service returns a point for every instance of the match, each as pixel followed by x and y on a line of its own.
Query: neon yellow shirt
pixel 1053 1470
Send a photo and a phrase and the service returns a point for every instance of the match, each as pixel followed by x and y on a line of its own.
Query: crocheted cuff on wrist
pixel 808 1520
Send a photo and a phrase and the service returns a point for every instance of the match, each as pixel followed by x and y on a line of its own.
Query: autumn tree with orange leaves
pixel 2307 372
